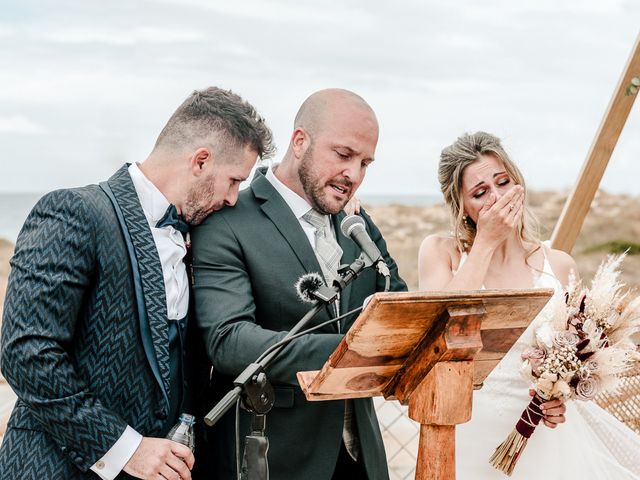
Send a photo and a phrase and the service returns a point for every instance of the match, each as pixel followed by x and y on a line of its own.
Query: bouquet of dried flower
pixel 580 351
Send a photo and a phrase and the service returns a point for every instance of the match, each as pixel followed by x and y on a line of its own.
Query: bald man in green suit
pixel 246 262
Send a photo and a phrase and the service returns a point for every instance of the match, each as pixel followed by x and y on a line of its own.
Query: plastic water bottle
pixel 182 432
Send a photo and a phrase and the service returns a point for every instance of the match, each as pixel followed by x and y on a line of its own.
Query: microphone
pixel 311 287
pixel 353 226
pixel 307 284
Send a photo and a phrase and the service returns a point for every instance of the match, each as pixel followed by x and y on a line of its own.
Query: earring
pixel 465 219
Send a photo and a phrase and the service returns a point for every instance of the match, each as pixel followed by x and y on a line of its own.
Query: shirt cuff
pixel 112 463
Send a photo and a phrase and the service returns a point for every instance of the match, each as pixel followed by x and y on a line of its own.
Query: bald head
pixel 333 142
pixel 323 105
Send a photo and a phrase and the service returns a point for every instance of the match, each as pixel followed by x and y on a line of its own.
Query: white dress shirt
pixel 171 250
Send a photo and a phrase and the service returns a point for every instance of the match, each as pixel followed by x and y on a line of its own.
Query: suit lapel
pixel 277 210
pixel 153 320
pixel 274 207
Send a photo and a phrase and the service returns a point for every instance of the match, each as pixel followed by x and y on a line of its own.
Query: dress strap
pixel 463 258
pixel 547 279
pixel 546 267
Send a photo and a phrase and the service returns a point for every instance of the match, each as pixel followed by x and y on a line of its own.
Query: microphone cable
pixel 238 466
pixel 267 352
pixel 304 332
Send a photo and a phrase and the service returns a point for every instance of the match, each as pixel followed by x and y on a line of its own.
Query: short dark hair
pixel 219 113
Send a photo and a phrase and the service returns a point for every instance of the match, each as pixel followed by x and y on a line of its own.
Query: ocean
pixel 16 206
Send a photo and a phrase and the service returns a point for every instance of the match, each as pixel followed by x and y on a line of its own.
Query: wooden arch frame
pixel 577 205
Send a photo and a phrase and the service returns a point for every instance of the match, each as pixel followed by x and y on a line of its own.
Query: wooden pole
pixel 577 205
pixel 440 402
pixel 443 399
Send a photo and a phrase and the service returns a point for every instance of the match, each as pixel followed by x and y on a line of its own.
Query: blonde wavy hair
pixel 453 160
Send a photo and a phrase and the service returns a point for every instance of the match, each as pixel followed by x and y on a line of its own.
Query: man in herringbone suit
pixel 246 262
pixel 96 314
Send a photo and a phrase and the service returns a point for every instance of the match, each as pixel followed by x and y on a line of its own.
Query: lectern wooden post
pixel 427 350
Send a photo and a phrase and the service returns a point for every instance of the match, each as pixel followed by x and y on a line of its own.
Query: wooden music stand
pixel 428 350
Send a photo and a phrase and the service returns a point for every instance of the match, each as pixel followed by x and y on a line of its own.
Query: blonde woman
pixel 494 245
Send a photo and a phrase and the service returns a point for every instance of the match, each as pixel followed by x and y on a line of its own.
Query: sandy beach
pixel 613 223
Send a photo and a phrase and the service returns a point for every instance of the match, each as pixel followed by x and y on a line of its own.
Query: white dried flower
pixel 526 371
pixel 561 389
pixel 544 336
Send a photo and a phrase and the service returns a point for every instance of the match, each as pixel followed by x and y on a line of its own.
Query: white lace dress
pixel 592 444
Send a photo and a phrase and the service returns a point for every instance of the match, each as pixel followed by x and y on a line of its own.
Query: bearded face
pixel 201 201
pixel 325 186
pixel 219 186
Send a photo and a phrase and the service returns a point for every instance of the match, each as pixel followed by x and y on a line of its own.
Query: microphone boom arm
pixel 251 374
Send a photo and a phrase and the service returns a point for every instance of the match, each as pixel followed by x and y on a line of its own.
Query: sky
pixel 86 86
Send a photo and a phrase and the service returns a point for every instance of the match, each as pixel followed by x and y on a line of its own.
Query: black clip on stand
pixel 258 400
pixel 255 390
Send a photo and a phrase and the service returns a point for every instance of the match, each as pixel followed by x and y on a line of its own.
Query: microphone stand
pixel 256 392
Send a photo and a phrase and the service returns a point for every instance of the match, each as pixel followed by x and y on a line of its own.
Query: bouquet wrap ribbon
pixel 530 418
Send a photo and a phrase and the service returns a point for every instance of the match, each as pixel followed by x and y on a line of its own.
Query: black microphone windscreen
pixel 349 222
pixel 307 284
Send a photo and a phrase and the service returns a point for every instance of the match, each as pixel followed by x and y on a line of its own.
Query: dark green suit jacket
pixel 246 262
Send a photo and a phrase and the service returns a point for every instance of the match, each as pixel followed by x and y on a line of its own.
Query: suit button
pixel 64 449
pixel 161 414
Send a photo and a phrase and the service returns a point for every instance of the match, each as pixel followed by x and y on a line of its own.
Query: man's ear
pixel 300 141
pixel 199 160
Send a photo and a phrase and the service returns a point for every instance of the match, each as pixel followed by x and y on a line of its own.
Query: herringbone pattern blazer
pixel 84 342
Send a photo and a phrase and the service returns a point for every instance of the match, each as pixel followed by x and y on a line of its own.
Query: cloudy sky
pixel 87 85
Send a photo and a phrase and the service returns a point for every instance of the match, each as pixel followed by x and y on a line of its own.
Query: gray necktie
pixel 328 251
pixel 329 254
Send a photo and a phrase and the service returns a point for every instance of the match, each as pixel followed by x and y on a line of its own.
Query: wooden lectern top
pixel 399 337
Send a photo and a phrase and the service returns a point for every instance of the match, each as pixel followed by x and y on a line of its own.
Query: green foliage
pixel 616 246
